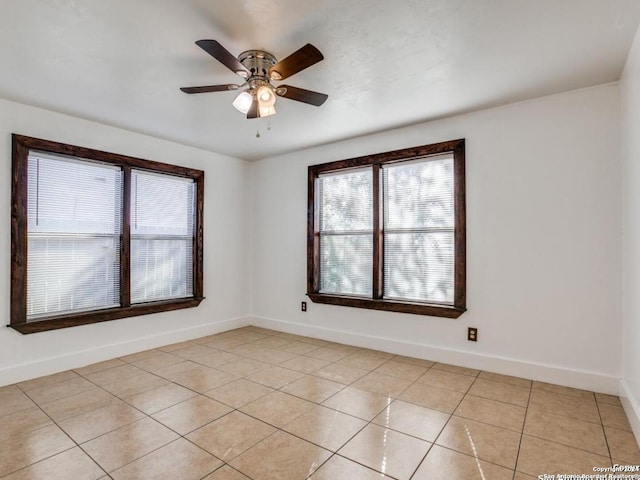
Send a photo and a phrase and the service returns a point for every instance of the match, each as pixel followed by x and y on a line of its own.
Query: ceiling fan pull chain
pixel 258 133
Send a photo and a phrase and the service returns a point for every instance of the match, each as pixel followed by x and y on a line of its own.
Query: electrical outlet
pixel 303 307
pixel 472 334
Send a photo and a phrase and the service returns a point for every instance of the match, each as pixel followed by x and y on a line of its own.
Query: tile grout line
pixel 76 444
pixel 146 415
pixel 444 426
pixel 277 429
pixel 198 393
pixel 180 436
pixel 564 444
pixel 333 453
pixel 604 432
pixel 390 359
pixel 515 468
pixel 279 348
pixel 124 401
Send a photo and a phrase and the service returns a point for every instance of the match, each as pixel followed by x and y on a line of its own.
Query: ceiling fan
pixel 259 68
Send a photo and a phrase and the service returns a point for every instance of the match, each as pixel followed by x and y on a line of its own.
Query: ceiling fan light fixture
pixel 266 96
pixel 266 111
pixel 243 102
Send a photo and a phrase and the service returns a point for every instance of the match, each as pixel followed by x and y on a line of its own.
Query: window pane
pixel 162 229
pixel 70 274
pixel 419 230
pixel 419 194
pixel 346 205
pixel 73 196
pixel 346 201
pixel 346 264
pixel 419 266
pixel 161 269
pixel 161 204
pixel 73 236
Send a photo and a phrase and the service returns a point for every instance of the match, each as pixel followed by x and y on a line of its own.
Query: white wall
pixel 225 250
pixel 630 100
pixel 543 243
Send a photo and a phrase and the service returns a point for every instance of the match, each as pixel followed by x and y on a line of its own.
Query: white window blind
pixel 162 232
pixel 419 227
pixel 346 232
pixel 73 235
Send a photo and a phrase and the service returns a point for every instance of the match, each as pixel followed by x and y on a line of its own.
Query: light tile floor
pixel 264 405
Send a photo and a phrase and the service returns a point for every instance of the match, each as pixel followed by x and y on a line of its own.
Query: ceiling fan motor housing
pixel 258 63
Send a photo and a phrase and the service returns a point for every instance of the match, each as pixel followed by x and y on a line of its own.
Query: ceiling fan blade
pixel 211 88
pixel 217 51
pixel 296 62
pixel 253 110
pixel 301 95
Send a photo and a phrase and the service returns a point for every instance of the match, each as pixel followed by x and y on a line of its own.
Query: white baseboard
pixel 26 371
pixel 507 366
pixel 545 373
pixel 631 407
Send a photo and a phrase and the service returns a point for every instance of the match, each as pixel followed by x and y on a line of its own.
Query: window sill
pixel 389 305
pixel 87 318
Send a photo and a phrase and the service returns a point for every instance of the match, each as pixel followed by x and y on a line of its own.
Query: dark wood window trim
pixel 21 145
pixel 376 302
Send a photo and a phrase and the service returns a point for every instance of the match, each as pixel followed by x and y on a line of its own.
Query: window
pixel 98 236
pixel 387 231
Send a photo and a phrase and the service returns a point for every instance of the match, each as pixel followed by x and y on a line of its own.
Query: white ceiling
pixel 387 63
